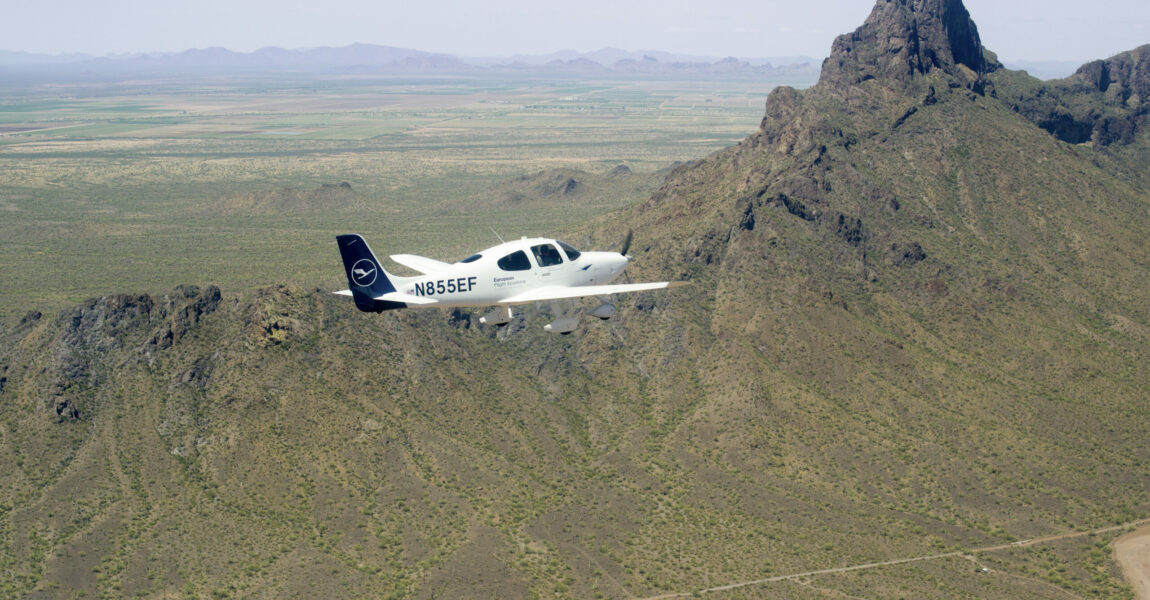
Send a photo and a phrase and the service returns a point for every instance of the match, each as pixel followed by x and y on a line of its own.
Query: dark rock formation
pixel 906 254
pixel 66 410
pixel 880 84
pixel 460 319
pixel 100 322
pixel 1105 102
pixel 30 318
pixel 184 309
pixel 1122 77
pixel 902 39
pixel 117 321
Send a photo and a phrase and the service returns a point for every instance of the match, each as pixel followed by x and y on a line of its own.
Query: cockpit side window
pixel 572 254
pixel 546 255
pixel 516 261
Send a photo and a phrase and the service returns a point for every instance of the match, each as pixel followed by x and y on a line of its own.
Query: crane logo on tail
pixel 363 272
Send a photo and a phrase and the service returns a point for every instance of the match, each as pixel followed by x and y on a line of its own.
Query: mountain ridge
pixel 919 323
pixel 360 57
pixel 1104 102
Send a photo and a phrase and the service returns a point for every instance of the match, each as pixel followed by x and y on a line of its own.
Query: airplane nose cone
pixel 605 266
pixel 619 264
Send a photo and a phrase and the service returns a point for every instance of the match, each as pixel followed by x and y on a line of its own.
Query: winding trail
pixel 1133 556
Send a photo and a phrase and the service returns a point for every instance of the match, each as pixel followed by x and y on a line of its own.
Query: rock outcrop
pixel 1105 102
pixel 1124 78
pixel 183 309
pixel 107 323
pixel 903 39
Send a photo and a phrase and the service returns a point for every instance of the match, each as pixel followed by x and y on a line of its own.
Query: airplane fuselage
pixel 513 273
pixel 504 271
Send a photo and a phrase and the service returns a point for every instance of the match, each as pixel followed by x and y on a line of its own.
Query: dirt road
pixel 1132 552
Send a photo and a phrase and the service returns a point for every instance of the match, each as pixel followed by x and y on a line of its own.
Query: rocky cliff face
pixel 908 57
pixel 1104 103
pixel 88 334
pixel 1125 78
pixel 902 39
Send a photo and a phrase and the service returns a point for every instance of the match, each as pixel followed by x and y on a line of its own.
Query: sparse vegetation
pixel 911 334
pixel 146 186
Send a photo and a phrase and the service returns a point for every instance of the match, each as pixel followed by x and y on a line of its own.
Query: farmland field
pixel 142 185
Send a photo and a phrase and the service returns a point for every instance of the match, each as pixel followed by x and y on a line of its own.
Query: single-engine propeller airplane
pixel 517 272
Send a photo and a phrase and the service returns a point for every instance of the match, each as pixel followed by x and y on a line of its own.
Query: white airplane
pixel 518 272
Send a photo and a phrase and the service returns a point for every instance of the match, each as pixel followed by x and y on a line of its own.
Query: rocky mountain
pixel 901 41
pixel 1104 102
pixel 918 327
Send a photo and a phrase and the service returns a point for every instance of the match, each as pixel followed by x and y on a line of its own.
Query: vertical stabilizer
pixel 365 276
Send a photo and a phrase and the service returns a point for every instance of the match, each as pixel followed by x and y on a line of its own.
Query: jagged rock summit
pixel 1104 103
pixel 1128 74
pixel 904 38
pixel 906 55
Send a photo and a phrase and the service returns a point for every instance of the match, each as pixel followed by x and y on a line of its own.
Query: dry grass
pixel 78 166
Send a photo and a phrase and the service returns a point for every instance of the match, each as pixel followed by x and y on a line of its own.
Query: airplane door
pixel 548 260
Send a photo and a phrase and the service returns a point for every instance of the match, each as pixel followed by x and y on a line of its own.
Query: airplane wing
pixel 396 297
pixel 559 293
pixel 420 263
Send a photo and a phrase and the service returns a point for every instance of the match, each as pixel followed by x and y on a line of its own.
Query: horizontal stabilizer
pixel 406 298
pixel 559 293
pixel 396 297
pixel 420 263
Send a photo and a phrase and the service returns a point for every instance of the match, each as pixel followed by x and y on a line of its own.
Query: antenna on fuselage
pixel 496 234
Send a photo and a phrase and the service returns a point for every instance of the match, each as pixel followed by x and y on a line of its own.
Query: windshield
pixel 572 253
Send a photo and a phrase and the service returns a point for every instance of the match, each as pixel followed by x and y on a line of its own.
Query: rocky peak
pixel 902 39
pixel 102 325
pixel 1125 78
pixel 1105 102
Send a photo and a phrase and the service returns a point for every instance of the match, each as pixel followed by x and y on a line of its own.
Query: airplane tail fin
pixel 365 276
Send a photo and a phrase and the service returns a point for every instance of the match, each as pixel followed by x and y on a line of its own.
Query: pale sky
pixel 1031 30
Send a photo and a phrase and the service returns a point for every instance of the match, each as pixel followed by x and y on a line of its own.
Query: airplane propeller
pixel 623 251
pixel 627 243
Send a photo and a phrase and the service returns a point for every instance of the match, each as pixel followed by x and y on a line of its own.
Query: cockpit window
pixel 516 261
pixel 572 253
pixel 546 255
pixel 472 258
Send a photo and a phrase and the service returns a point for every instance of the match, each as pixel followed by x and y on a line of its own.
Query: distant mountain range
pixel 373 58
pixel 370 57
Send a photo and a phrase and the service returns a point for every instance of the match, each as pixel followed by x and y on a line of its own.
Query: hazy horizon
pixel 1061 32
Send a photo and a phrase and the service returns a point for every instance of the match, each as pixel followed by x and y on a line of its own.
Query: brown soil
pixel 1132 551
